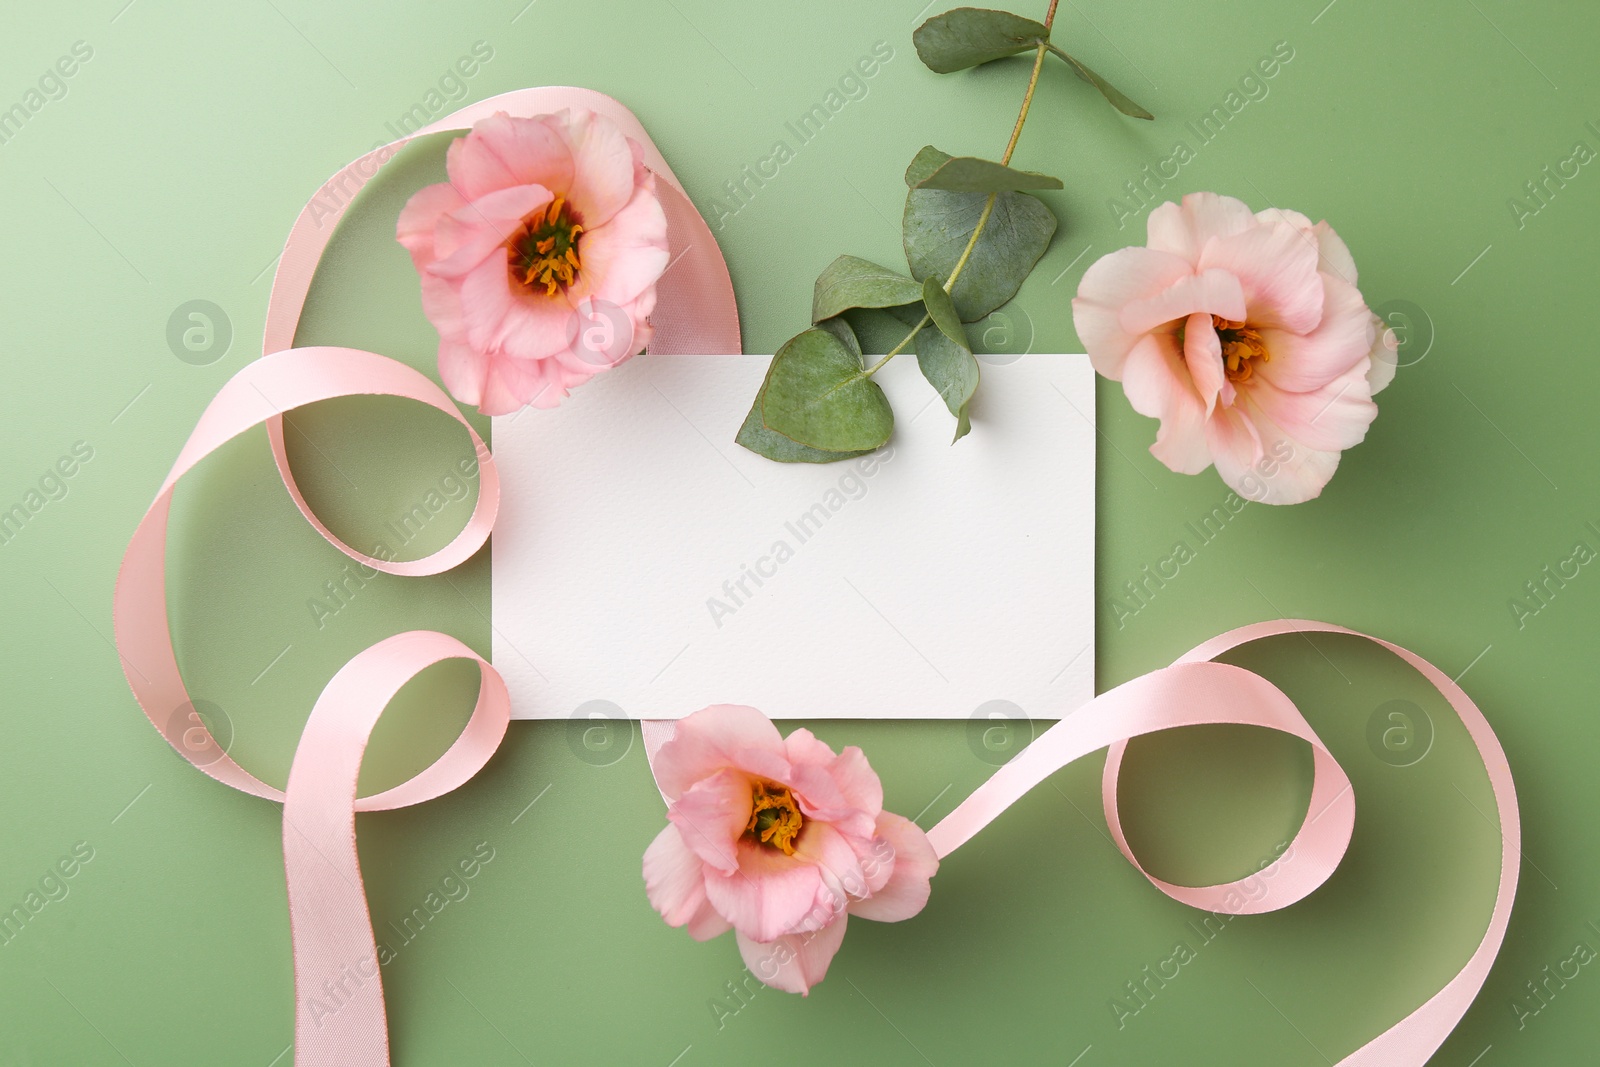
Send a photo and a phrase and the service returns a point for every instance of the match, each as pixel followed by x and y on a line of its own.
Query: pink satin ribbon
pixel 339 1016
pixel 1196 691
pixel 339 1012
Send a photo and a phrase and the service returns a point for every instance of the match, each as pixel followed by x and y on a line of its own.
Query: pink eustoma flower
pixel 1245 334
pixel 779 839
pixel 538 258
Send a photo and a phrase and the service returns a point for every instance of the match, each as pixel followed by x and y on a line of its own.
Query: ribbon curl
pixel 1196 691
pixel 339 1015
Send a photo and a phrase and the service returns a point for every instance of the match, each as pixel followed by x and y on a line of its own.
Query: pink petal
pixel 804 749
pixel 842 878
pixel 414 228
pixel 877 861
pixel 539 382
pixel 707 923
pixel 1333 254
pixel 821 801
pixel 1156 380
pixel 1235 445
pixel 560 385
pixel 500 315
pixel 914 864
pixel 795 963
pixel 858 782
pixel 625 256
pixel 1277 265
pixel 602 161
pixel 497 384
pixel 1385 356
pixel 1213 292
pixel 1287 214
pixel 478 230
pixel 502 151
pixel 1202 354
pixel 463 371
pixel 602 335
pixel 716 738
pixel 810 762
pixel 1283 471
pixel 1329 419
pixel 505 387
pixel 818 791
pixel 442 304
pixel 1306 360
pixel 769 894
pixel 1184 229
pixel 711 816
pixel 674 878
pixel 1111 283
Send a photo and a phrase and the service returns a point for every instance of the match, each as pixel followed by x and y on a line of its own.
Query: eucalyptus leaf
pixel 851 282
pixel 924 163
pixel 764 442
pixel 968 36
pixel 942 311
pixel 847 337
pixel 1115 96
pixel 880 329
pixel 969 174
pixel 938 224
pixel 951 369
pixel 816 394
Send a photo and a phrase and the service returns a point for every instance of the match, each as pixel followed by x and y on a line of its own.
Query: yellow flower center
pixel 774 816
pixel 1241 347
pixel 544 250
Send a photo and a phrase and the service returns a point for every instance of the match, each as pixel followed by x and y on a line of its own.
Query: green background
pixel 170 172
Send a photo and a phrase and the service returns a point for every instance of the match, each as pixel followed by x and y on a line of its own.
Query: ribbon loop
pixel 1197 691
pixel 1312 855
pixel 339 1013
pixel 339 1016
pixel 1185 694
pixel 261 391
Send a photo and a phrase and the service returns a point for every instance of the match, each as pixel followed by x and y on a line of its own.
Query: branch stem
pixel 897 349
pixel 988 206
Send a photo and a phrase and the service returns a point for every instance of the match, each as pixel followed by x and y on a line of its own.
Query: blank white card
pixel 644 559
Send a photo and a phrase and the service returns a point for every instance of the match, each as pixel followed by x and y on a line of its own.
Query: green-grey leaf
pixel 847 337
pixel 928 160
pixel 968 36
pixel 817 395
pixel 942 311
pixel 850 282
pixel 880 329
pixel 938 223
pixel 969 174
pixel 764 442
pixel 951 369
pixel 1115 96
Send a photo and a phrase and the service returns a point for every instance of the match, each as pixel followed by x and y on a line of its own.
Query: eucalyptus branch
pixel 988 207
pixel 818 402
